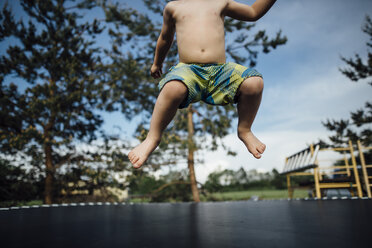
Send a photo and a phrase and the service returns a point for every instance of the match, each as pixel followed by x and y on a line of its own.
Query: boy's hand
pixel 156 71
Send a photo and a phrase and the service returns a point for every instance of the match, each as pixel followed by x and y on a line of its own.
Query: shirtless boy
pixel 203 73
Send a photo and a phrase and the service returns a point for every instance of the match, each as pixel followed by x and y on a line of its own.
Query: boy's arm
pixel 245 12
pixel 164 41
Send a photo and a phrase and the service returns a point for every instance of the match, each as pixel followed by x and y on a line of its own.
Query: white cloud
pixel 310 101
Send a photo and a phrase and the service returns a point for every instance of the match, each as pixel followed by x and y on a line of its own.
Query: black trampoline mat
pixel 330 223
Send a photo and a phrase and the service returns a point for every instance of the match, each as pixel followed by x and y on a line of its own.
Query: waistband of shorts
pixel 204 64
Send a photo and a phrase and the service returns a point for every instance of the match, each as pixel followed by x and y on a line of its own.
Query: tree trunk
pixel 48 193
pixel 190 157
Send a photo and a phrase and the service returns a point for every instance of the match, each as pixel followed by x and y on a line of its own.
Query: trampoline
pixel 279 223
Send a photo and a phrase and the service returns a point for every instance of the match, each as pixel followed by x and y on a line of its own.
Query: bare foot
pixel 140 153
pixel 253 145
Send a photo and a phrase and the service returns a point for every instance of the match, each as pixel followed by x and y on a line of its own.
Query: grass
pixel 264 194
pixel 139 200
pixel 7 204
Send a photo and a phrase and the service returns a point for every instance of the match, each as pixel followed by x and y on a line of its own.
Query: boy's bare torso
pixel 200 30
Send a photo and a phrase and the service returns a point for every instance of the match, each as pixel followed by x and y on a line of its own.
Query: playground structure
pixel 344 173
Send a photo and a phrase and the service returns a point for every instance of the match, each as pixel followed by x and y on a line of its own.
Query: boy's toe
pixel 137 165
pixel 256 154
pixel 135 159
pixel 261 148
pixel 130 155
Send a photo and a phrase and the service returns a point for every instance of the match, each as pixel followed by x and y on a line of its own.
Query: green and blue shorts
pixel 215 84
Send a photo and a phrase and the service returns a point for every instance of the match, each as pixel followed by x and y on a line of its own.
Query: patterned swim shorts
pixel 214 84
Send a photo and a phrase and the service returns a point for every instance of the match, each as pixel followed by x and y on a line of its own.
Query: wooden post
pixel 355 169
pixel 48 191
pixel 290 191
pixel 316 179
pixel 316 174
pixel 347 165
pixel 364 169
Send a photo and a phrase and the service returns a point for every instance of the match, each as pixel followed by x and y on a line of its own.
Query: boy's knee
pixel 175 90
pixel 252 85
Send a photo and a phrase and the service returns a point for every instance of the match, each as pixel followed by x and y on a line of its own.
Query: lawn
pixel 7 204
pixel 265 194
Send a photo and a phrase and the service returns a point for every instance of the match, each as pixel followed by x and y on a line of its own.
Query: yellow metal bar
pixel 333 167
pixel 347 164
pixel 316 179
pixel 336 185
pixel 352 192
pixel 369 166
pixel 312 154
pixel 365 173
pixel 301 174
pixel 312 149
pixel 290 190
pixel 356 175
pixel 335 149
pixel 337 173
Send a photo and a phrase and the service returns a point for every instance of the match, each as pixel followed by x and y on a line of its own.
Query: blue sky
pixel 303 84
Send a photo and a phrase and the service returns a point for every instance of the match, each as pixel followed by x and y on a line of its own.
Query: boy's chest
pixel 199 11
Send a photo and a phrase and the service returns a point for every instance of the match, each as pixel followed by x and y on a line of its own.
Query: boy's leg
pixel 169 99
pixel 249 99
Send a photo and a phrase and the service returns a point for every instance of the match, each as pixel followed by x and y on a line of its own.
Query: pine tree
pixel 68 77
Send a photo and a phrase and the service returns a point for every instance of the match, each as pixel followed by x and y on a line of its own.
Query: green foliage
pixel 141 183
pixel 174 186
pixel 213 182
pixel 68 78
pixel 179 192
pixel 278 181
pixel 12 203
pixel 59 64
pixel 16 184
pixel 229 180
pixel 96 170
pixel 220 186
